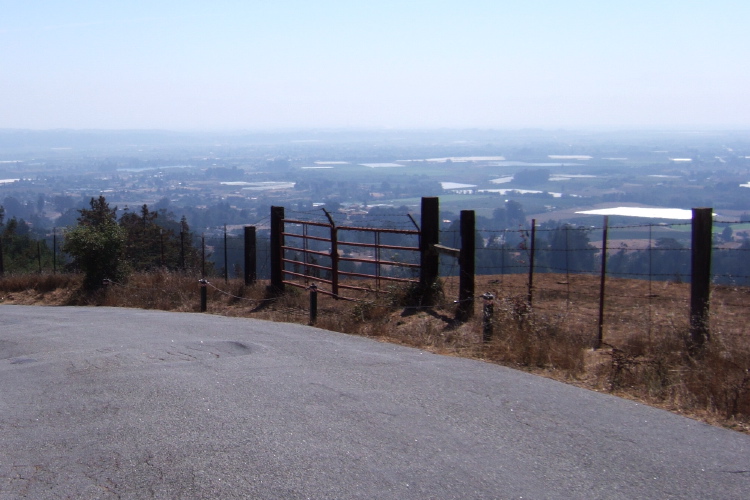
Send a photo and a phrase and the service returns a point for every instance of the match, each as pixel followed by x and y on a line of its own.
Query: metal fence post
pixel 602 281
pixel 54 250
pixel 532 251
pixel 226 260
pixel 162 262
pixel 203 256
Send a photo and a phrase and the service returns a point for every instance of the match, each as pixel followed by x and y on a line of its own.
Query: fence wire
pixel 648 266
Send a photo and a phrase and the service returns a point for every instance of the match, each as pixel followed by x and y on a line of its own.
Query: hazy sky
pixel 257 64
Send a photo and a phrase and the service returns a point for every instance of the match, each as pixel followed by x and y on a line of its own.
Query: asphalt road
pixel 118 403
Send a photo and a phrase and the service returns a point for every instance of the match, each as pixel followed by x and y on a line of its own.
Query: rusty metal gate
pixel 311 252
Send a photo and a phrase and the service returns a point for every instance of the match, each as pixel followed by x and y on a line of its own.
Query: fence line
pixel 730 266
pixel 655 255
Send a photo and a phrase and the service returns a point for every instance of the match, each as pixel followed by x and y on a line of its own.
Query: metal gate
pixel 311 252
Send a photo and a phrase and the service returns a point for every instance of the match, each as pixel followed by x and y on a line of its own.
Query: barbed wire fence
pixel 645 281
pixel 644 286
pixel 647 278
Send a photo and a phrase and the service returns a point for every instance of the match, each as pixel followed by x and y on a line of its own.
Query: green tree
pixel 569 250
pixel 96 244
pixel 142 247
pixel 514 214
pixel 156 240
pixel 21 252
pixel 670 259
pixel 500 218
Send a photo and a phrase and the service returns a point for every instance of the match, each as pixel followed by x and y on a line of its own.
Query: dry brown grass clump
pixel 533 340
pixel 163 290
pixel 713 385
pixel 41 283
pixel 54 289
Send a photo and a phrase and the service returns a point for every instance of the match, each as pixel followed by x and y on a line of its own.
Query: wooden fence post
pixel 700 279
pixel 277 252
pixel 467 266
pixel 251 270
pixel 429 256
pixel 334 255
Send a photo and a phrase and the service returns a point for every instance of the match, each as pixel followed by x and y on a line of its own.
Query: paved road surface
pixel 116 403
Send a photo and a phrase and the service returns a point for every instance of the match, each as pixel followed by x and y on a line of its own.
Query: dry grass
pixel 644 355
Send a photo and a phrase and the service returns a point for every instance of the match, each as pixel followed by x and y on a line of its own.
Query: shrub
pixel 96 245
